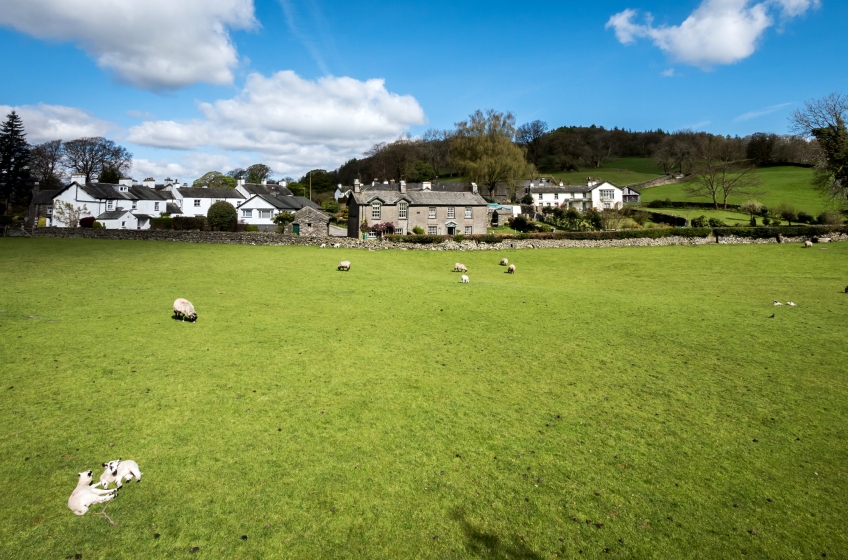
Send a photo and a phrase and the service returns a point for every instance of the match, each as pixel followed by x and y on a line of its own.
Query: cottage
pixel 261 209
pixel 41 207
pixel 310 222
pixel 123 219
pixel 438 211
pixel 195 201
pixel 598 195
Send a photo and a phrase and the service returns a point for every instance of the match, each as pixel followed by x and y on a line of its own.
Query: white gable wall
pixel 607 195
pixel 79 199
pixel 261 212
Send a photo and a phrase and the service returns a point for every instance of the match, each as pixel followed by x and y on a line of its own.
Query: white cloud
pixel 761 112
pixel 57 122
pixel 668 73
pixel 717 32
pixel 293 123
pixel 155 44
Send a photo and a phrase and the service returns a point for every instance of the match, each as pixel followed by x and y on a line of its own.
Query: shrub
pixel 251 227
pixel 418 230
pixel 161 223
pixel 98 225
pixel 87 222
pixel 420 239
pixel 830 218
pixel 715 222
pixel 775 221
pixel 186 223
pixel 330 206
pixel 805 218
pixel 222 216
pixel 766 220
pixel 527 199
pixel 544 228
pixel 520 223
pixel 459 237
pixel 700 221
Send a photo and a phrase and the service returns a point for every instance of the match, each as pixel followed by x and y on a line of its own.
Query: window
pixel 403 208
pixel 468 230
pixel 556 196
pixel 468 211
pixel 451 212
pixel 607 194
pixel 123 224
pixel 606 205
pixel 156 206
pixel 110 205
pixel 50 211
pixel 134 204
pixel 399 231
pixel 197 202
pixel 265 214
pixel 247 213
pixel 375 211
pixel 432 230
pixel 541 196
pixel 431 212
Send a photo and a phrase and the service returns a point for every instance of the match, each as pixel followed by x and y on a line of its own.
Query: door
pixel 451 230
pixel 296 229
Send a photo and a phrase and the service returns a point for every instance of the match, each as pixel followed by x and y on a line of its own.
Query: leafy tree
pixel 222 215
pixel 824 119
pixel 483 151
pixel 420 171
pixel 787 212
pixel 752 207
pixel 47 165
pixel 215 180
pixel 330 206
pixel 15 177
pixel 109 175
pixel 321 182
pixel 298 189
pixel 257 173
pixel 90 156
pixel 237 173
pixel 527 199
pixel 284 218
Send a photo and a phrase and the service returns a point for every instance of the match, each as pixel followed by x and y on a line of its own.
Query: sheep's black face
pixel 112 467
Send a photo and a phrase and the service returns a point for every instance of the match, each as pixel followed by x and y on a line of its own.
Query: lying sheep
pixel 185 310
pixel 336 245
pixel 511 269
pixel 118 471
pixel 808 244
pixel 323 245
pixel 464 279
pixel 504 262
pixel 776 303
pixel 344 265
pixel 459 267
pixel 86 494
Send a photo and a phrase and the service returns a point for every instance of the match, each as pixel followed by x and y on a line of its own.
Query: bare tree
pixel 46 164
pixel 824 119
pixel 723 170
pixel 530 136
pixel 91 156
pixel 437 149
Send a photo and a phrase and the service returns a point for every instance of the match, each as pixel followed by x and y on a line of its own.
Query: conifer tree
pixel 15 179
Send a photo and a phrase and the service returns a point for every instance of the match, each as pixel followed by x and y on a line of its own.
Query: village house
pixel 437 211
pixel 261 209
pixel 41 206
pixel 598 195
pixel 195 201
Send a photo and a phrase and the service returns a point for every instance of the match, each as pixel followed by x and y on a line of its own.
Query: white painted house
pixel 195 201
pixel 98 199
pixel 598 195
pixel 261 209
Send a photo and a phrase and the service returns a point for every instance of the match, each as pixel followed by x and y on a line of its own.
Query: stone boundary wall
pixel 259 238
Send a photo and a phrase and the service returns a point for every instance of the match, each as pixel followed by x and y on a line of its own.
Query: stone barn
pixel 309 222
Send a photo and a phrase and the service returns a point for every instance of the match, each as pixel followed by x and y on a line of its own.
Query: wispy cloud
pixel 761 112
pixel 310 42
pixel 697 125
pixel 668 73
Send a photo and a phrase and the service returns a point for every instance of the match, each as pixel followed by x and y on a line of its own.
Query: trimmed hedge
pixel 183 223
pixel 684 204
pixel 161 223
pixel 786 231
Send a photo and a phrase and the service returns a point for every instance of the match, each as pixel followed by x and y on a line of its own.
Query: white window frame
pixel 468 230
pixel 556 196
pixel 541 196
pixel 432 230
pixel 247 212
pixel 197 203
pixel 469 212
pixel 399 231
pixel 607 194
pixel 403 210
pixel 265 214
pixel 50 211
pixel 155 206
pixel 431 212
pixel 376 211
pixel 124 225
pixel 451 213
pixel 134 204
pixel 110 205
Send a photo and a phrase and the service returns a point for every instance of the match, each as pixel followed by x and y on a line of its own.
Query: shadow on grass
pixel 175 318
pixel 484 544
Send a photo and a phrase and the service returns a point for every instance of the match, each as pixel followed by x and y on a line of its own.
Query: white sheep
pixel 459 267
pixel 504 262
pixel 86 494
pixel 808 244
pixel 511 269
pixel 185 310
pixel 336 245
pixel 344 265
pixel 791 304
pixel 776 303
pixel 464 279
pixel 118 471
pixel 323 245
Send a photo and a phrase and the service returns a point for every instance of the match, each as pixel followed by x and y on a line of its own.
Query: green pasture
pixel 619 171
pixel 600 403
pixel 792 185
pixel 728 217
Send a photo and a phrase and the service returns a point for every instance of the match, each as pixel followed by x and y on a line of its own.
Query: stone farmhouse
pixel 438 210
pixel 594 194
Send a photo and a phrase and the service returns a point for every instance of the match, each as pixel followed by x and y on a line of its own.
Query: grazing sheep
pixel 808 244
pixel 118 471
pixel 185 310
pixel 775 302
pixel 344 265
pixel 86 494
pixel 510 269
pixel 791 304
pixel 504 262
pixel 464 279
pixel 459 267
pixel 336 245
pixel 323 245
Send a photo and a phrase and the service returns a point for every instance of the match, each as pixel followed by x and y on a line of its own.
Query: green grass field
pixel 792 185
pixel 728 217
pixel 638 401
pixel 619 171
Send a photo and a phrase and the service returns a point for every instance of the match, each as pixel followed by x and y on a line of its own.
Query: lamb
pixel 344 265
pixel 504 262
pixel 464 279
pixel 791 304
pixel 185 310
pixel 808 244
pixel 336 245
pixel 776 303
pixel 86 494
pixel 511 269
pixel 459 267
pixel 118 471
pixel 323 245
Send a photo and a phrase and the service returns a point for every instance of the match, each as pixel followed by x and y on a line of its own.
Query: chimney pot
pixel 403 187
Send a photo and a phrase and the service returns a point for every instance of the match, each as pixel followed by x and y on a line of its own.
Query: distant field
pixel 730 218
pixel 792 185
pixel 621 172
pixel 600 403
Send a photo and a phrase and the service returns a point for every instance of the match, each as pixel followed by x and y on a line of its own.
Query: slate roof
pixel 197 192
pixel 107 191
pixel 273 190
pixel 112 215
pixel 288 203
pixel 44 197
pixel 562 189
pixel 143 216
pixel 172 208
pixel 419 197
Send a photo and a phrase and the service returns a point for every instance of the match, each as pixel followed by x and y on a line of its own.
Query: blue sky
pixel 297 84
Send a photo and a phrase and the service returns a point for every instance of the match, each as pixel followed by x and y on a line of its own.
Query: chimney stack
pixel 240 183
pixel 264 181
pixel 474 188
pixel 357 187
pixel 78 178
pixel 403 187
pixel 426 186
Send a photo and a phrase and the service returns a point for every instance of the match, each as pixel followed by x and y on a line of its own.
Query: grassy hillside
pixel 391 412
pixel 792 185
pixel 620 171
